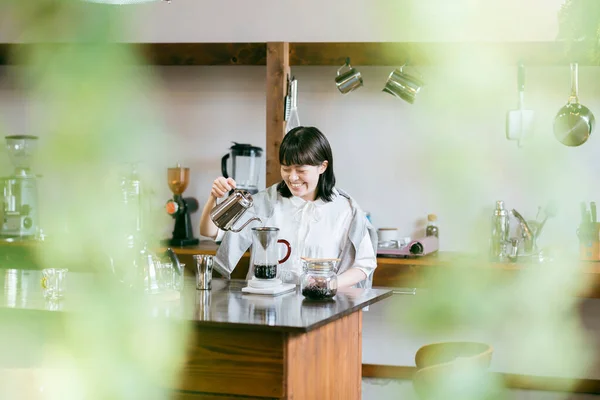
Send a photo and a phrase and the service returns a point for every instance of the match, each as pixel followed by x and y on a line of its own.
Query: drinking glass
pixel 54 282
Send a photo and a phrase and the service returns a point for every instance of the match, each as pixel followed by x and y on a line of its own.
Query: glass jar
pixel 319 280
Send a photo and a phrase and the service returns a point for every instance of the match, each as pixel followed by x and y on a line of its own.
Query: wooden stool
pixel 453 371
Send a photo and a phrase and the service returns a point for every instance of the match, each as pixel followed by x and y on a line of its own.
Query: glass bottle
pixel 319 280
pixel 432 228
pixel 131 196
pixel 293 120
pixel 500 231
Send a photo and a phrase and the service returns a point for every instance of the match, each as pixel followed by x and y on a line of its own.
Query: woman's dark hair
pixel 306 145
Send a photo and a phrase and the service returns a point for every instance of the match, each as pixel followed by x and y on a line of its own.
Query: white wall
pixel 446 154
pixel 331 20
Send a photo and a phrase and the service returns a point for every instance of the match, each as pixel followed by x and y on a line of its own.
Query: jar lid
pixel 431 217
pixel 321 264
pixel 243 149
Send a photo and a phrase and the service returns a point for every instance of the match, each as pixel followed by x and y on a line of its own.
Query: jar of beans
pixel 319 279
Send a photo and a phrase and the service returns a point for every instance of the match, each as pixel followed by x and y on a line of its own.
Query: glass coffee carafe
pixel 265 252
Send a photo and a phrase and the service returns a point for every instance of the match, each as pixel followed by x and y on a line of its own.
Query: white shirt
pixel 316 229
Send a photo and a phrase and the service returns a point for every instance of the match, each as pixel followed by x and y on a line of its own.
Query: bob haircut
pixel 308 146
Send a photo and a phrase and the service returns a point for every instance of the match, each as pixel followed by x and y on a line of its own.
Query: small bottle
pixel 499 234
pixel 432 228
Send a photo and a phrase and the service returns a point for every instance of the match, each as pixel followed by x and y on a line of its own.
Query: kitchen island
pixel 240 345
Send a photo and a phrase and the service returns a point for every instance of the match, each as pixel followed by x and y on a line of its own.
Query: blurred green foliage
pixel 579 28
pixel 91 111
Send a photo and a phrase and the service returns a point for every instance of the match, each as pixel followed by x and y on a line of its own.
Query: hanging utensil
pixel 519 122
pixel 574 122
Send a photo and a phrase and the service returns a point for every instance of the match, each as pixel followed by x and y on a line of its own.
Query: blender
pixel 180 208
pixel 246 165
pixel 20 206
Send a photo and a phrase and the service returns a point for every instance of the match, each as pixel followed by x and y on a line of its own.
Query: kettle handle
pixel 224 165
pixel 289 250
pixel 246 223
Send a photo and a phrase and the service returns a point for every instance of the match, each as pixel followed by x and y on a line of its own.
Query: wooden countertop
pixel 223 305
pixel 421 271
pixel 440 259
pixel 390 272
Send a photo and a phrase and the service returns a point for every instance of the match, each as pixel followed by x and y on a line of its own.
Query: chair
pixel 455 371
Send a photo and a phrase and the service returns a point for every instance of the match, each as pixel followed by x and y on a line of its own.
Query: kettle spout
pixel 246 223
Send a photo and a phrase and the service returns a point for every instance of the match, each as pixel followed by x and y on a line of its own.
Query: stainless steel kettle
pixel 226 214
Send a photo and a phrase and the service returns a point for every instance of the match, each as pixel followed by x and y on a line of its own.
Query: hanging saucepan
pixel 574 123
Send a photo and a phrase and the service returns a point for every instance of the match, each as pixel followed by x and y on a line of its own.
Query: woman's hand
pixel 351 277
pixel 221 186
pixel 219 189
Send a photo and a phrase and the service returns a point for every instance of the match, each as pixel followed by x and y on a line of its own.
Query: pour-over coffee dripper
pixel 265 261
pixel 180 208
pixel 265 255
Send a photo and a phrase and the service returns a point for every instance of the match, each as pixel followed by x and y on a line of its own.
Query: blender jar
pixel 246 162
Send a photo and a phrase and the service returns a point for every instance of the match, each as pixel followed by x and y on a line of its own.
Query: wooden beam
pixel 169 53
pixel 205 53
pixel 550 53
pixel 278 66
pixel 429 54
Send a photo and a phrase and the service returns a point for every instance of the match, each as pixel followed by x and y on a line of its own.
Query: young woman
pixel 317 219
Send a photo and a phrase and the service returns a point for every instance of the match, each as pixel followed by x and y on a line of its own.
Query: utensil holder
pixel 589 244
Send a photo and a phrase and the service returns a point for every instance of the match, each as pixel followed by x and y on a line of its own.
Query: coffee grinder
pixel 20 207
pixel 180 208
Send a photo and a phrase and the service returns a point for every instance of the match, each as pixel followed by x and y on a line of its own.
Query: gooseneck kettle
pixel 226 214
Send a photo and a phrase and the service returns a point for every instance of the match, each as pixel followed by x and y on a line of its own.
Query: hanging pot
pixel 574 122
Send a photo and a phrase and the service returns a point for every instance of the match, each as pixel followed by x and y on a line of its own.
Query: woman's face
pixel 302 180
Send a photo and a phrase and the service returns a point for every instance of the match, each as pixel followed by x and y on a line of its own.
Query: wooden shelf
pixel 360 53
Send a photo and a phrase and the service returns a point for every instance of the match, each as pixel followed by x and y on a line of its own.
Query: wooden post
pixel 278 66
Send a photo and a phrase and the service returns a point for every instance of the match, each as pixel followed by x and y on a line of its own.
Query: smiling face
pixel 306 165
pixel 302 180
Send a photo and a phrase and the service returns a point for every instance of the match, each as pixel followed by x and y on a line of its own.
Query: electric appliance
pixel 180 208
pixel 246 162
pixel 20 199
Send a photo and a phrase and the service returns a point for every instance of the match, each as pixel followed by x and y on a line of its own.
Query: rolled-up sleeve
pixel 366 259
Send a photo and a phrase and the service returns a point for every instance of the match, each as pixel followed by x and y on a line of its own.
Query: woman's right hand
pixel 221 186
